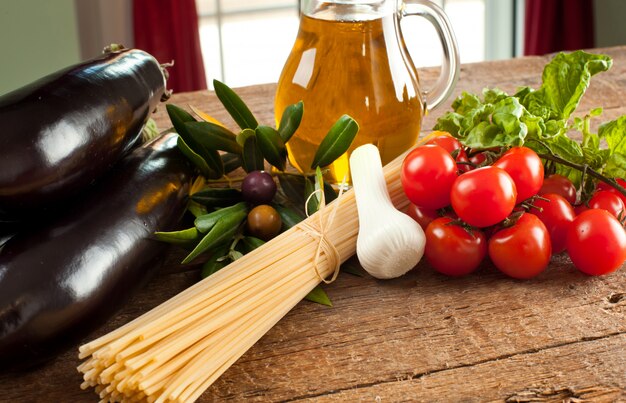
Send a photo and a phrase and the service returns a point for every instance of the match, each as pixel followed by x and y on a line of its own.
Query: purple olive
pixel 258 187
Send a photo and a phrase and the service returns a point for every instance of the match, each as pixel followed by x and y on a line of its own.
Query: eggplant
pixel 63 131
pixel 62 281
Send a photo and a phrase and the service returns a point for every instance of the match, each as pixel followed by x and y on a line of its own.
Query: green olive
pixel 263 222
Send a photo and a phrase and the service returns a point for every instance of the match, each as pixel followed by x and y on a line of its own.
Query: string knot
pixel 320 230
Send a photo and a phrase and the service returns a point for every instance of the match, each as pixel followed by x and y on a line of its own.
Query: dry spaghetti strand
pixel 177 350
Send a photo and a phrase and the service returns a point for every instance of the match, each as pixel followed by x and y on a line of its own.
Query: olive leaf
pixel 196 159
pixel 243 135
pixel 183 237
pixel 196 209
pixel 330 193
pixel 313 203
pixel 336 142
pixel 250 243
pixel 217 197
pixel 205 116
pixel 319 296
pixel 290 120
pixel 223 230
pixel 289 217
pixel 204 223
pixel 272 146
pixel 235 106
pixel 352 268
pixel 293 188
pixel 252 156
pixel 179 117
pixel 212 266
pixel 212 157
pixel 319 185
pixel 231 162
pixel 216 262
pixel 213 137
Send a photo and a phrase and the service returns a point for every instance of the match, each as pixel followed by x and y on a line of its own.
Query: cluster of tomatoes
pixel 508 211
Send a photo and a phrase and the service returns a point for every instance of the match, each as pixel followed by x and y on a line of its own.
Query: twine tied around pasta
pixel 324 244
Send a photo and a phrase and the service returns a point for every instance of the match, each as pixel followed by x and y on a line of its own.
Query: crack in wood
pixel 600 393
pixel 411 377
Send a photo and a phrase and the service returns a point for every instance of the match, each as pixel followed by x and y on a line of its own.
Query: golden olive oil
pixel 359 68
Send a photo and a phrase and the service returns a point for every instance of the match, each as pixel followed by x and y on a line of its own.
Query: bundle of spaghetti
pixel 177 350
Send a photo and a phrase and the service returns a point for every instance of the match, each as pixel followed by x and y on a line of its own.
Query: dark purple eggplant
pixel 60 282
pixel 63 131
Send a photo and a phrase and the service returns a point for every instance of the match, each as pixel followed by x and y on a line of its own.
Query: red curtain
pixel 555 25
pixel 168 29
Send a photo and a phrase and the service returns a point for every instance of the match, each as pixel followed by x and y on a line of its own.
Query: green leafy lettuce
pixel 540 118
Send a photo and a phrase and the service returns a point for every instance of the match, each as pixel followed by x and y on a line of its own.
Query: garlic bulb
pixel 389 243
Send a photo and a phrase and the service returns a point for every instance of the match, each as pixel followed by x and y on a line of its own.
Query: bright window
pixel 246 43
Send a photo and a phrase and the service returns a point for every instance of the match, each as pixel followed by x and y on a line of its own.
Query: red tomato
pixel 580 208
pixel 480 156
pixel 621 182
pixel 596 242
pixel 428 173
pixel 451 249
pixel 608 201
pixel 560 185
pixel 526 170
pixel 423 216
pixel 556 214
pixel 484 196
pixel 445 141
pixel 451 145
pixel 478 159
pixel 523 250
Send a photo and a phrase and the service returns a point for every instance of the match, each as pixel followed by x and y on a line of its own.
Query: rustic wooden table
pixel 423 337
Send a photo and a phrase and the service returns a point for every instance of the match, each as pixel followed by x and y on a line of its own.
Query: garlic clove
pixel 389 242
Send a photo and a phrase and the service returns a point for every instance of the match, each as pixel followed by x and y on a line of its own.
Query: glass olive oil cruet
pixel 350 57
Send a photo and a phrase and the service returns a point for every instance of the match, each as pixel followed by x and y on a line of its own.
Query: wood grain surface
pixel 560 337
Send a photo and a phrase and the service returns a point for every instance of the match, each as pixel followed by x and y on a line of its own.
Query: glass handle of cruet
pixel 450 66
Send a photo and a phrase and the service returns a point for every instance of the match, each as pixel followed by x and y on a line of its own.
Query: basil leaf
pixel 272 146
pixel 616 166
pixel 290 120
pixel 213 137
pixel 235 106
pixel 565 80
pixel 614 132
pixel 336 142
pixel 319 296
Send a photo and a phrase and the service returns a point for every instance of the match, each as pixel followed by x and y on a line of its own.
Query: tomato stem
pixel 585 169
